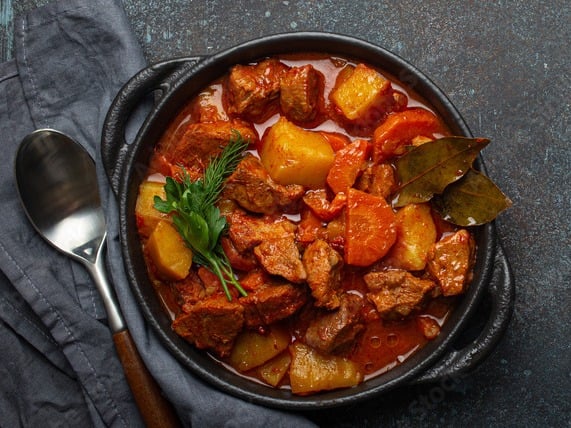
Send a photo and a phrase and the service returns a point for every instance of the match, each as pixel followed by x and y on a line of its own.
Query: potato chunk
pixel 169 253
pixel 360 92
pixel 252 349
pixel 311 371
pixel 293 155
pixel 416 234
pixel 274 370
pixel 147 215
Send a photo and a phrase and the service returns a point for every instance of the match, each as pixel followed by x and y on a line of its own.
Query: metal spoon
pixel 57 184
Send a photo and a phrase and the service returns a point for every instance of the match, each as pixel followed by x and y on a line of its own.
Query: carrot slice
pixel 336 140
pixel 370 228
pixel 400 128
pixel 346 165
pixel 321 207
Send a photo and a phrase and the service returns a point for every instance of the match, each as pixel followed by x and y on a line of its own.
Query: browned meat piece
pixel 198 285
pixel 189 291
pixel 272 302
pixel 450 262
pixel 212 324
pixel 378 180
pixel 211 281
pixel 309 228
pixel 323 265
pixel 247 231
pixel 280 256
pixel 429 327
pixel 241 261
pixel 252 91
pixel 205 107
pixel 203 141
pixel 300 96
pixel 396 293
pixel 336 330
pixel 254 190
pixel 254 279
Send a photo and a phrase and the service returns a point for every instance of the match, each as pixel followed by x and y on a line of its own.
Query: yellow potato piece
pixel 169 253
pixel 252 349
pixel 311 371
pixel 416 233
pixel 359 92
pixel 293 155
pixel 274 370
pixel 147 214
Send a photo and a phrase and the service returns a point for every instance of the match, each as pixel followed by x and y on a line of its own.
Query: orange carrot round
pixel 346 165
pixel 370 228
pixel 400 128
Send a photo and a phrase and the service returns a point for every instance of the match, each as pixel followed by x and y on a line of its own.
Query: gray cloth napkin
pixel 58 366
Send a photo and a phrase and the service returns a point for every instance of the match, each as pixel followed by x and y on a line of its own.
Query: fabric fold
pixel 71 58
pixel 60 84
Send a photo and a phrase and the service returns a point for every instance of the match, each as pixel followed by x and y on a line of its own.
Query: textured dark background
pixel 506 65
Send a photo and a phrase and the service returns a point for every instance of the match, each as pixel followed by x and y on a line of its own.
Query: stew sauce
pixel 401 301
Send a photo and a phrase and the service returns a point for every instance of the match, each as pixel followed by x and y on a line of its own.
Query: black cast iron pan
pixel 175 82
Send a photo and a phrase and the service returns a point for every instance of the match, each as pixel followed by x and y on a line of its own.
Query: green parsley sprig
pixel 196 216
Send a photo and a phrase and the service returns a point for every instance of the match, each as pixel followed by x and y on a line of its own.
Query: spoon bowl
pixel 57 184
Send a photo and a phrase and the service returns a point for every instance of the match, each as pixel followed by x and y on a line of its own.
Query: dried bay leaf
pixel 426 170
pixel 471 201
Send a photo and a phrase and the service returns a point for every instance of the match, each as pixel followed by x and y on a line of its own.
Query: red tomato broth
pixel 384 343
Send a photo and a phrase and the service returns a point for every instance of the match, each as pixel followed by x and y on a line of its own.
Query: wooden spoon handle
pixel 154 407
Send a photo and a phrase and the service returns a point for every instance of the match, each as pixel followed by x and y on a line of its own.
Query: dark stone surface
pixel 506 66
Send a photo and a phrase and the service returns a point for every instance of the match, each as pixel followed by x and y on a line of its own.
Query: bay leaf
pixel 471 201
pixel 426 170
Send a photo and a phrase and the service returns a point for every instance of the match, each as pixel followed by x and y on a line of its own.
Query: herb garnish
pixel 196 216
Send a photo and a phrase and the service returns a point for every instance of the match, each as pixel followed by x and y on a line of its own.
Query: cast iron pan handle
pixel 157 77
pixel 501 292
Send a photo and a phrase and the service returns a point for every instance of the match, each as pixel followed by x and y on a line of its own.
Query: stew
pixel 336 284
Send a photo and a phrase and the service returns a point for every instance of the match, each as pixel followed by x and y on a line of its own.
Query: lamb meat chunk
pixel 272 302
pixel 300 96
pixel 323 265
pixel 246 231
pixel 378 179
pixel 450 262
pixel 254 190
pixel 254 280
pixel 203 141
pixel 212 324
pixel 197 286
pixel 280 256
pixel 429 327
pixel 396 293
pixel 309 228
pixel 337 330
pixel 241 261
pixel 189 291
pixel 252 91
